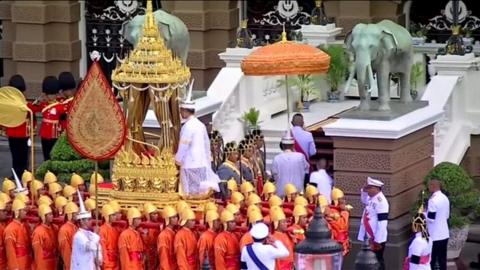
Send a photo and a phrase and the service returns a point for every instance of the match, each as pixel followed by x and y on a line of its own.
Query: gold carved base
pixel 137 199
pixel 140 179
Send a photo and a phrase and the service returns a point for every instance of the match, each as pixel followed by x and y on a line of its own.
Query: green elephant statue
pixel 382 48
pixel 173 31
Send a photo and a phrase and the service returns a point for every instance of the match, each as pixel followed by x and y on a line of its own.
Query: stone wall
pixel 212 26
pixel 40 39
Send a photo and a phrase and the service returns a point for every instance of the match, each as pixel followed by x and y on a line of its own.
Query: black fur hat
pixel 66 81
pixel 50 85
pixel 18 82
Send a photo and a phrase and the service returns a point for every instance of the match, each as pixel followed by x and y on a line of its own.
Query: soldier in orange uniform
pixel 297 229
pixel 269 190
pixel 3 224
pixel 17 240
pixel 66 233
pixel 109 239
pixel 130 243
pixel 254 217
pixel 150 235
pixel 44 240
pixel 241 226
pixel 185 243
pixel 280 225
pixel 206 240
pixel 227 250
pixel 50 129
pixel 166 238
pixel 337 216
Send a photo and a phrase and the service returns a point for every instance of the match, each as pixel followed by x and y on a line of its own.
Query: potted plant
pixel 250 120
pixel 338 70
pixel 464 202
pixel 306 86
pixel 419 33
pixel 415 75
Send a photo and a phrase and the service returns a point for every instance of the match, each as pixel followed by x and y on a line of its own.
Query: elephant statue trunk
pixel 365 83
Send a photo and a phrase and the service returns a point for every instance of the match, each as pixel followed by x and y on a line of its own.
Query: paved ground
pixel 5 158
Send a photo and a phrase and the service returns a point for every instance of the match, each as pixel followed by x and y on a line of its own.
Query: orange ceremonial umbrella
pixel 286 58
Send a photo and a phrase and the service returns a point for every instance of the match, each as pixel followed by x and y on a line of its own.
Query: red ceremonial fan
pixel 96 125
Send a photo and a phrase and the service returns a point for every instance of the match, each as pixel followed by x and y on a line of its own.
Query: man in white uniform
pixel 303 138
pixel 373 225
pixel 193 154
pixel 289 166
pixel 86 249
pixel 322 180
pixel 262 253
pixel 438 212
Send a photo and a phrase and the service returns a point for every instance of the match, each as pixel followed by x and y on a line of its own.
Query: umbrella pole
pixel 32 144
pixel 96 195
pixel 288 101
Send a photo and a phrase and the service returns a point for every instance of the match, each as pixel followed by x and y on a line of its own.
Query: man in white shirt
pixel 262 253
pixel 86 249
pixel 373 225
pixel 438 212
pixel 322 179
pixel 289 166
pixel 193 154
pixel 303 138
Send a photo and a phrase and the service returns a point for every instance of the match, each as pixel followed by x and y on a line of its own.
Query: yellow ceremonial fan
pixel 13 107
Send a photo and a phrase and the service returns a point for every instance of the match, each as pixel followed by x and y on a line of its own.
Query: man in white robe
pixel 322 179
pixel 289 166
pixel 193 154
pixel 86 249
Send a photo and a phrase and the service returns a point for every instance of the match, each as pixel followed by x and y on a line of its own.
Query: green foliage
pixel 63 150
pixel 419 30
pixel 304 83
pixel 251 117
pixel 415 74
pixel 339 63
pixel 65 161
pixel 459 187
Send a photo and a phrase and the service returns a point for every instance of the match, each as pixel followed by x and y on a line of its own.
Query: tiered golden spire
pixel 151 61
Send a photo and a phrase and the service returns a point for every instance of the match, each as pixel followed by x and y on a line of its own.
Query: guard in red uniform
pixel 68 87
pixel 18 137
pixel 50 129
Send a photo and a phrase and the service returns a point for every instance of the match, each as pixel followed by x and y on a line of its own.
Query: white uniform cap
pixel 187 102
pixel 83 212
pixel 18 184
pixel 374 182
pixel 287 138
pixel 259 231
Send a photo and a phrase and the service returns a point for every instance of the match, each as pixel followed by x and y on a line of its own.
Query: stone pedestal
pixel 397 152
pixel 233 56
pixel 41 39
pixel 320 34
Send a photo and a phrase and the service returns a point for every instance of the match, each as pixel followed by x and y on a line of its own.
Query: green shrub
pixel 459 187
pixel 65 161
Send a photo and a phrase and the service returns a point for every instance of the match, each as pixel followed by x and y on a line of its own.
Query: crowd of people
pixel 255 221
pixel 53 225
